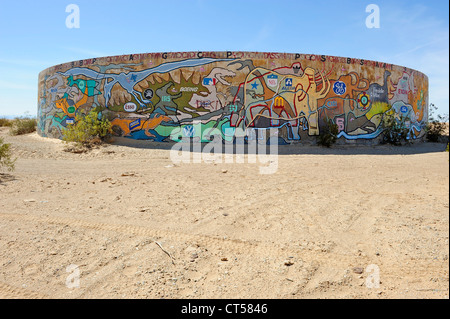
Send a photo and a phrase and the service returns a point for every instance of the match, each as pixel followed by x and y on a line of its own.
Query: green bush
pixel 5 122
pixel 395 131
pixel 436 126
pixel 5 156
pixel 22 125
pixel 328 133
pixel 434 131
pixel 89 129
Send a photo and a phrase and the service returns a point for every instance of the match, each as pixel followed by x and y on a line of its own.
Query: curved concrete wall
pixel 165 96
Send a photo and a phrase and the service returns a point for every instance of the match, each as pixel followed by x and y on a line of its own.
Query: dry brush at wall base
pixel 200 95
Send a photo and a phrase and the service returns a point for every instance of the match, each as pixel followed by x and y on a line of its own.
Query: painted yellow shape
pixel 63 105
pixel 377 108
pixel 82 101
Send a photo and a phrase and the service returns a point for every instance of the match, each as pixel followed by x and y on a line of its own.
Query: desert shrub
pixel 328 133
pixel 436 125
pixel 5 122
pixel 23 125
pixel 434 131
pixel 6 156
pixel 89 130
pixel 395 131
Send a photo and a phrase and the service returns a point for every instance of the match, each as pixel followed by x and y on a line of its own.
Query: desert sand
pixel 124 222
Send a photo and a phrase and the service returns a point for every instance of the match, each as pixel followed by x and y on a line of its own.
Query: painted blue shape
pixel 188 131
pixel 122 78
pixel 209 81
pixel 339 88
pixel 276 140
pixel 134 124
pixel 361 136
pixel 140 135
pixel 160 111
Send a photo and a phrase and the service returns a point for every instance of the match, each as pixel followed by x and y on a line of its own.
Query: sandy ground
pixel 124 222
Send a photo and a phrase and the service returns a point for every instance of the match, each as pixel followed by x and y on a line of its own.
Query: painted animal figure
pixel 139 122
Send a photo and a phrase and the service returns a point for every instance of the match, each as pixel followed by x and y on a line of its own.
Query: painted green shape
pixel 420 101
pixel 81 85
pixel 71 109
pixel 59 115
pixel 168 107
pixel 91 91
pixel 176 131
pixel 165 130
pixel 225 124
pixel 183 100
pixel 70 81
pixel 116 108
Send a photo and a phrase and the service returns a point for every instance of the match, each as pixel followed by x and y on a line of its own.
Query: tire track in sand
pixel 210 242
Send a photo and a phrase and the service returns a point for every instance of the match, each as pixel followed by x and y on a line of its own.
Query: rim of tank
pixel 283 56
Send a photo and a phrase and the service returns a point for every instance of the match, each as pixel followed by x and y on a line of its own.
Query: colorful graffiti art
pixel 160 96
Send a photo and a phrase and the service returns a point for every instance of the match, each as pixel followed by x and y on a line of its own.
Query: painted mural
pixel 169 96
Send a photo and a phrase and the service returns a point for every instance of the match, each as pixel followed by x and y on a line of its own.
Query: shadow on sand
pixel 294 149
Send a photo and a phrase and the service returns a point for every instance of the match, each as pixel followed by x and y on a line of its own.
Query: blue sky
pixel 34 36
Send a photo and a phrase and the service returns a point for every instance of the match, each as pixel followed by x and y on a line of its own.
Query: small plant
pixel 89 130
pixel 436 127
pixel 395 131
pixel 5 122
pixel 328 133
pixel 23 125
pixel 6 156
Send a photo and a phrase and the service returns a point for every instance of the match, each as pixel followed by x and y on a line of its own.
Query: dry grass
pixel 5 122
pixel 23 125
